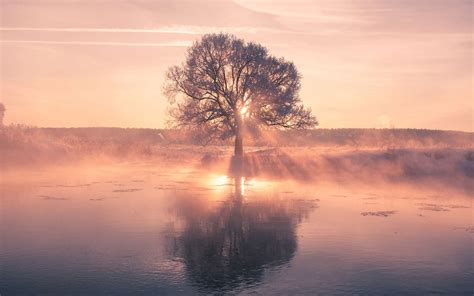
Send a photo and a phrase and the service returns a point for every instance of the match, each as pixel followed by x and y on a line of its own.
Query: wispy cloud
pixel 137 44
pixel 188 30
pixel 180 30
pixel 184 30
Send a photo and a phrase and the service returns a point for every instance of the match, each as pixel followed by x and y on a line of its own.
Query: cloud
pixel 187 30
pixel 131 14
pixel 422 16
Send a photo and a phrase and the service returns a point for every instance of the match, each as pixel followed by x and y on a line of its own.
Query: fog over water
pixel 142 211
pixel 150 228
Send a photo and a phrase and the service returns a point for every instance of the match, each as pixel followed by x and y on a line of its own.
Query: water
pixel 143 229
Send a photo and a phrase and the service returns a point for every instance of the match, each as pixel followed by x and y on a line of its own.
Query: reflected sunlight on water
pixel 245 183
pixel 219 180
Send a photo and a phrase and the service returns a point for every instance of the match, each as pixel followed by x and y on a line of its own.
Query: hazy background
pixel 366 63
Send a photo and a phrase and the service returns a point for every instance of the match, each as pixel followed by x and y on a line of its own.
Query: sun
pixel 244 110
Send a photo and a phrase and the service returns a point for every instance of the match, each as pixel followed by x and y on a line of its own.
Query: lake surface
pixel 144 229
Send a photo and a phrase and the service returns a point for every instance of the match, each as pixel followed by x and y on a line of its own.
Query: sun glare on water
pixel 219 180
pixel 243 183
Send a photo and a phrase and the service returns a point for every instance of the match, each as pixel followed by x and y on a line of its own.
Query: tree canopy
pixel 227 85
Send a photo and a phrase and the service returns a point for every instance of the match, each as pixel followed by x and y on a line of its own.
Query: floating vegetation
pixel 434 208
pixel 378 213
pixel 163 187
pixel 48 197
pixel 440 208
pixel 72 186
pixel 469 229
pixel 456 207
pixel 128 190
pixel 412 197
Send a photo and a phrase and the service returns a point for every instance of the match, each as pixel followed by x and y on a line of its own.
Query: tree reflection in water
pixel 229 245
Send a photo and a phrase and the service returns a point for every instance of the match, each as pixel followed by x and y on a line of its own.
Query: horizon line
pixel 163 128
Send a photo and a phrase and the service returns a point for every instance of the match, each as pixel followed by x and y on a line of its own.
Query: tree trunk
pixel 237 162
pixel 239 148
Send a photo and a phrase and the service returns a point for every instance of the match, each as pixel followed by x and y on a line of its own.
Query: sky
pixel 364 63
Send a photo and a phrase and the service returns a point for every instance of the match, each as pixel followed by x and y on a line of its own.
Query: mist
pixel 341 155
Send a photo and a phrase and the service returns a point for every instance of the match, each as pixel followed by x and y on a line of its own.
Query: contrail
pixel 136 44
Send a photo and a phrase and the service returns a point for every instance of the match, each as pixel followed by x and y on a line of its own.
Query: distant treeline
pixel 325 137
pixel 376 138
pixel 352 137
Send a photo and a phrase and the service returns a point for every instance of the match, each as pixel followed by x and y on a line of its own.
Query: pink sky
pixel 367 63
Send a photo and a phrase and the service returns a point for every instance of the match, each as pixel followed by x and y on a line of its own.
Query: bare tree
pixel 226 86
pixel 2 113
